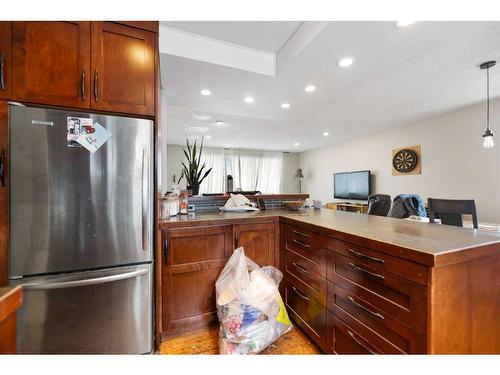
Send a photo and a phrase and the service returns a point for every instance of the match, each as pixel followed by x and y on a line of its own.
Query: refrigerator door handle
pixel 145 202
pixel 86 282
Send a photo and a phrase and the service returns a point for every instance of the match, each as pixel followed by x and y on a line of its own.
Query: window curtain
pixel 257 170
pixel 214 158
pixel 269 181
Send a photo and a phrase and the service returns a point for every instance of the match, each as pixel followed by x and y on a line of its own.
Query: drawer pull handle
pixel 375 275
pixel 300 233
pixel 360 255
pixel 300 294
pixel 300 243
pixel 359 342
pixel 300 268
pixel 357 304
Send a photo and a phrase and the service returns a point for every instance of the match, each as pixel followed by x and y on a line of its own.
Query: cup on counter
pixel 316 204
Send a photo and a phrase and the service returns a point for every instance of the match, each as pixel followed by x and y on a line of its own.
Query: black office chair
pixel 379 204
pixel 450 211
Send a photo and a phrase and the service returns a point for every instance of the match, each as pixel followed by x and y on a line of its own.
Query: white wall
pixel 454 163
pixel 175 157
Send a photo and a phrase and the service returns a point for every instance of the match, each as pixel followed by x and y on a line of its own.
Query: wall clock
pixel 406 160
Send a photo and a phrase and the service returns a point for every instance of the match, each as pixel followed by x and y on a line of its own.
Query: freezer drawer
pixel 95 312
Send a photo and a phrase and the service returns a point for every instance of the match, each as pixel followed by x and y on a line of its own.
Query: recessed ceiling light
pixel 248 99
pixel 205 92
pixel 219 123
pixel 296 144
pixel 285 105
pixel 345 62
pixel 326 134
pixel 310 88
pixel 208 136
pixel 401 24
pixel 201 117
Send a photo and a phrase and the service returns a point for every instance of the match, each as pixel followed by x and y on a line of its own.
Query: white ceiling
pixel 266 36
pixel 399 76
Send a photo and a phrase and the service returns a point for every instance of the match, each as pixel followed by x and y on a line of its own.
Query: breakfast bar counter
pixel 354 283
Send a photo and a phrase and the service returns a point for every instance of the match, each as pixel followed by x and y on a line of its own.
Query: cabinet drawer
pixel 307 312
pixel 306 274
pixel 342 339
pixel 400 267
pixel 394 296
pixel 299 241
pixel 349 328
pixel 371 312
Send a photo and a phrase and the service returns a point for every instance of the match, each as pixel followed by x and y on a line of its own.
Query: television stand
pixel 361 208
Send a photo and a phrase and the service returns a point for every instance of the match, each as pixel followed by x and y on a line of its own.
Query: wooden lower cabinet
pixel 193 258
pixel 353 300
pixel 259 242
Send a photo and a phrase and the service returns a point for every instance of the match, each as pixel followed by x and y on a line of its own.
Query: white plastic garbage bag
pixel 249 306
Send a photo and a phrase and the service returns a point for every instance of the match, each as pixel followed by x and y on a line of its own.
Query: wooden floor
pixel 205 342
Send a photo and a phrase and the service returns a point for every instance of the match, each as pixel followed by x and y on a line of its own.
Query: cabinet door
pixel 193 260
pixel 259 242
pixel 5 59
pixel 123 68
pixel 51 63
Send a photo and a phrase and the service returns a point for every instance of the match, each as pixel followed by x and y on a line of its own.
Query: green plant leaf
pixel 205 175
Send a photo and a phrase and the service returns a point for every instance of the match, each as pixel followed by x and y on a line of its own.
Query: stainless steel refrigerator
pixel 80 233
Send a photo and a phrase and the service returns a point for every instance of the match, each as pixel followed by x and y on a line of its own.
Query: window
pixel 251 170
pixel 256 170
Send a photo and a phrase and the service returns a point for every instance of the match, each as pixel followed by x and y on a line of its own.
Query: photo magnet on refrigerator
pixel 81 132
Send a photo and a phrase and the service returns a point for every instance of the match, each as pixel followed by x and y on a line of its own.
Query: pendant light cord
pixel 488 98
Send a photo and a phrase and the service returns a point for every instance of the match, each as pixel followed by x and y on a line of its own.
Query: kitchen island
pixel 354 283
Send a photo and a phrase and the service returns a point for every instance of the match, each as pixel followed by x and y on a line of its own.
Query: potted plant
pixel 191 170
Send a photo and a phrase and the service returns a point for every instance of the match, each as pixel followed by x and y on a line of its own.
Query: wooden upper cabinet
pixel 5 59
pixel 259 242
pixel 123 68
pixel 51 63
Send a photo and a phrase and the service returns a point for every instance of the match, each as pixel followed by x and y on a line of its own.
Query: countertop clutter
pixel 353 283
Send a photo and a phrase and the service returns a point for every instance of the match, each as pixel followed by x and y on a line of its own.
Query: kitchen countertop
pixel 10 300
pixel 426 243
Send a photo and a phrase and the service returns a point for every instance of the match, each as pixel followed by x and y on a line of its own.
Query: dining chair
pixel 379 204
pixel 450 211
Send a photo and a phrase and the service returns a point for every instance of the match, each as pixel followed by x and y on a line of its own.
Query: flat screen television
pixel 351 185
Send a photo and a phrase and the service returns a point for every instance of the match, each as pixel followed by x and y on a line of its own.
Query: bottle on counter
pixel 173 204
pixel 183 202
pixel 165 207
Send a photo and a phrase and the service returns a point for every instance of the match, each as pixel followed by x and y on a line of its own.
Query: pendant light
pixel 488 134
